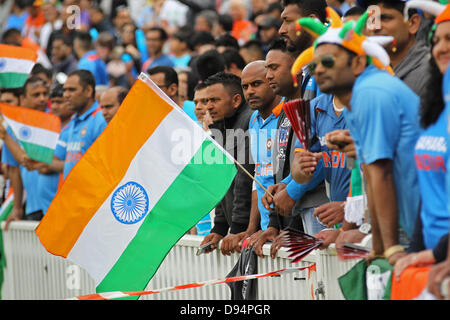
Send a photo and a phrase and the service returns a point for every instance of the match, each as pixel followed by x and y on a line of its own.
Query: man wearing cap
pixel 268 30
pixel 381 113
pixel 409 58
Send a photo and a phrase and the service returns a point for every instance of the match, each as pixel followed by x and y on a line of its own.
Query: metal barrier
pixel 32 273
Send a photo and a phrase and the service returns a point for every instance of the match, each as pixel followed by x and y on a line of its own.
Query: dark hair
pixel 232 56
pixel 230 82
pixel 354 11
pixel 121 95
pixel 226 21
pixel 432 102
pixel 211 62
pixel 200 86
pixel 254 45
pixel 84 38
pixel 32 80
pixel 201 38
pixel 184 35
pixel 57 91
pixel 86 78
pixel 39 68
pixel 308 7
pixel 9 33
pixel 64 38
pixel 14 91
pixel 227 40
pixel 274 6
pixel 170 75
pixel 281 45
pixel 162 33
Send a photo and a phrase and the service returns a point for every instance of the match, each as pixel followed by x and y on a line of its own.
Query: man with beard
pixel 262 127
pixel 381 113
pixel 287 195
pixel 231 115
pixel 298 42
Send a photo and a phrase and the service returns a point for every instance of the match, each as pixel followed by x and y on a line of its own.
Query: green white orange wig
pixel 348 35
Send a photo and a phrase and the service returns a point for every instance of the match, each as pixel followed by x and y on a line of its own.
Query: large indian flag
pixel 149 177
pixel 36 131
pixel 16 64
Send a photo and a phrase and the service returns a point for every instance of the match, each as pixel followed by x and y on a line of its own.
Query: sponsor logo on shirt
pixel 432 143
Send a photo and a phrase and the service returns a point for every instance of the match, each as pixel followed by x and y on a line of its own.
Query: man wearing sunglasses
pixel 382 117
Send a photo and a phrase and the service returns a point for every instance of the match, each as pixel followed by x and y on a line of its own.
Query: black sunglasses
pixel 327 61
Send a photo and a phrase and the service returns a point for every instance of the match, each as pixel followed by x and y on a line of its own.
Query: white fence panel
pixel 32 273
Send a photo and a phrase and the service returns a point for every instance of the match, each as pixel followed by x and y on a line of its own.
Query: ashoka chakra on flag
pixel 129 203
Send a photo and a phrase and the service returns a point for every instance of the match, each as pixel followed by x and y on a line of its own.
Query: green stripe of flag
pixel 38 152
pixel 194 193
pixel 10 80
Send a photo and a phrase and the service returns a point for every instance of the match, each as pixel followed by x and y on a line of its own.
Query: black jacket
pixel 233 212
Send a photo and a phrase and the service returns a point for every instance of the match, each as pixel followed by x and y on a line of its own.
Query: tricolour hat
pixel 348 35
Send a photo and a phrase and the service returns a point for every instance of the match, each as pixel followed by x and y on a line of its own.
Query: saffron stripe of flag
pixel 142 189
pixel 36 131
pixel 15 65
pixel 123 294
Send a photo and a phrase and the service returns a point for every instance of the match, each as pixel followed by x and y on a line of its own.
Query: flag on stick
pixel 136 191
pixel 16 64
pixel 36 131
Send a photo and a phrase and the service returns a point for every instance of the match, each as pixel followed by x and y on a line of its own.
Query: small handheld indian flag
pixel 16 64
pixel 147 179
pixel 36 131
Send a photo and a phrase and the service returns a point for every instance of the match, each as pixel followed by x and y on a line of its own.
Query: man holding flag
pixel 35 96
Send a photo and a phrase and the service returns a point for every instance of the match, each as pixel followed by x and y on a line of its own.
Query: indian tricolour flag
pixel 147 179
pixel 16 64
pixel 36 131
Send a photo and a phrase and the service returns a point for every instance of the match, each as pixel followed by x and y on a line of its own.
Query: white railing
pixel 34 274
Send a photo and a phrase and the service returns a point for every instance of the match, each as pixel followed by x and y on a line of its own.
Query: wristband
pixel 373 254
pixel 297 150
pixel 392 250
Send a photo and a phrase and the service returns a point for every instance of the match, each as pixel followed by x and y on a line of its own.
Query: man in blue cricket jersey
pixel 326 116
pixel 35 96
pixel 88 122
pixel 382 117
pixel 262 129
pixel 89 59
pixel 288 195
